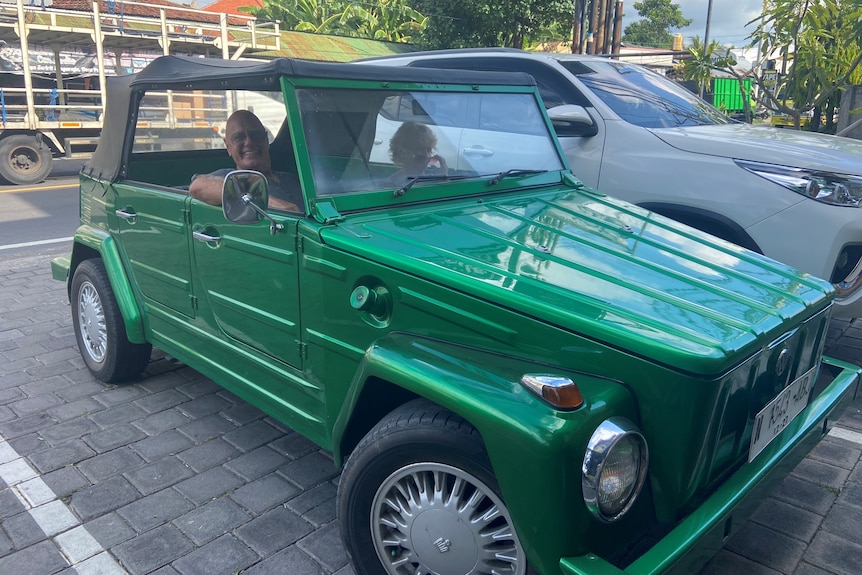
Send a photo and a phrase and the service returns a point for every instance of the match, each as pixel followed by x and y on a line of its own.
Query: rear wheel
pixel 99 328
pixel 418 496
pixel 24 160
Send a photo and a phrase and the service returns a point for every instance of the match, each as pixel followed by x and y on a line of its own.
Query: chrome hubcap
pixel 431 518
pixel 91 320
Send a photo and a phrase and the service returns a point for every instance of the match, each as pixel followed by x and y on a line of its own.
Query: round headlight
pixel 614 468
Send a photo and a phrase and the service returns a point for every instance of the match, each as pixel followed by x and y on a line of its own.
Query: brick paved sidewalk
pixel 174 475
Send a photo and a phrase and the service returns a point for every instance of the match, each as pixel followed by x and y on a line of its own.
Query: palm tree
pixel 706 59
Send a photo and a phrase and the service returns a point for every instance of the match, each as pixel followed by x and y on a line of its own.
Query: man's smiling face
pixel 246 142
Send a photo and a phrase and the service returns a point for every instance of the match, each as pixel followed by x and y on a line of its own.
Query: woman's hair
pixel 411 140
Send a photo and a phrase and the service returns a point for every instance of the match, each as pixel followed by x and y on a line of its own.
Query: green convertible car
pixel 519 374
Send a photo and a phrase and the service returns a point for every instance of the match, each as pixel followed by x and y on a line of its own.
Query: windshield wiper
pixel 499 177
pixel 403 189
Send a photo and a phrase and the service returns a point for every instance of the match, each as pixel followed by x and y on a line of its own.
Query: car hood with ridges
pixel 598 267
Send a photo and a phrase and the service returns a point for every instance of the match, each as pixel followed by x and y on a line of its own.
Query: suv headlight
pixel 826 187
pixel 614 468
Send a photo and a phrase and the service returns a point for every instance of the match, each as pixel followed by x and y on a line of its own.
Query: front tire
pixel 99 328
pixel 418 496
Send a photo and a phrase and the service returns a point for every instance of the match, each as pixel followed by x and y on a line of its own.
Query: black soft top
pixel 175 71
pixel 182 72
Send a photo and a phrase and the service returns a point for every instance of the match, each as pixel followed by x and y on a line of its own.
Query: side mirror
pixel 245 197
pixel 572 120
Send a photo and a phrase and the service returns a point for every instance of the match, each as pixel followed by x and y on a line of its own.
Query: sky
pixel 727 24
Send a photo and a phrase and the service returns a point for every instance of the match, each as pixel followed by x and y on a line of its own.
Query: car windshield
pixel 643 97
pixel 367 140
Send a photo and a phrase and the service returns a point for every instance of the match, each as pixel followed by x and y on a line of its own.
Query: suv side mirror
pixel 572 120
pixel 245 197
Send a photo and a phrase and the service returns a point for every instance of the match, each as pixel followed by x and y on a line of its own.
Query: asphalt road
pixel 42 214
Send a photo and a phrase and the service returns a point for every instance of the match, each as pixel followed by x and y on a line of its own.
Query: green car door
pixel 150 221
pixel 248 281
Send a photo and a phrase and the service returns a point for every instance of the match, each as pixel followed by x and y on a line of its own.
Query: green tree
pixel 658 18
pixel 476 23
pixel 818 41
pixel 392 20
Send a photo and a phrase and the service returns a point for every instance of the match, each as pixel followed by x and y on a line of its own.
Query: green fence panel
pixel 726 94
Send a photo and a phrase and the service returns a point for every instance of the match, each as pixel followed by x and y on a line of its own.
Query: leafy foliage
pixel 705 60
pixel 392 20
pixel 818 41
pixel 659 16
pixel 468 23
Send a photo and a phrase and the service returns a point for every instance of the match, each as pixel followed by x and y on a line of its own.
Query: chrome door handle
pixel 202 237
pixel 131 216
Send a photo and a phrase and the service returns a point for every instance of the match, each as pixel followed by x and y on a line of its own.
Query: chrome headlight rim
pixel 604 439
pixel 834 189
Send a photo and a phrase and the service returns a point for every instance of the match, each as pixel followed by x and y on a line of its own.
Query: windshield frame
pixel 460 185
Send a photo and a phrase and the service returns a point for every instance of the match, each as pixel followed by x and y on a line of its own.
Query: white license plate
pixel 779 412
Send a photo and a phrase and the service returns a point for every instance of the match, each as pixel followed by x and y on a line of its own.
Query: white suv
pixel 634 134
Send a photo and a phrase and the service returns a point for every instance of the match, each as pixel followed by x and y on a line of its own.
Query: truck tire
pixel 24 160
pixel 99 328
pixel 419 484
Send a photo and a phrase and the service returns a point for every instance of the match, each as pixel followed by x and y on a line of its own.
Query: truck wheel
pixel 418 495
pixel 24 160
pixel 99 327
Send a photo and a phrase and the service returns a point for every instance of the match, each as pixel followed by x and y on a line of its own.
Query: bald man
pixel 247 144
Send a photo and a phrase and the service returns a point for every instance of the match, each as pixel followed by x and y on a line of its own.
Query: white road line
pixel 36 243
pixel 846 434
pixel 54 517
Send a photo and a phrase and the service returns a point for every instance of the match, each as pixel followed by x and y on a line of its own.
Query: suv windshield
pixel 642 97
pixel 364 140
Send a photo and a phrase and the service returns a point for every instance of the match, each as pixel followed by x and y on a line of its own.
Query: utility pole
pixel 618 28
pixel 591 37
pixel 708 19
pixel 578 26
pixel 599 27
pixel 706 37
pixel 610 5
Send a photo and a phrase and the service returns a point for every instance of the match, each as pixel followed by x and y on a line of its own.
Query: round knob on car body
pixel 363 298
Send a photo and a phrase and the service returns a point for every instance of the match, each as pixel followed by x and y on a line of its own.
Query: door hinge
pixel 303 349
pixel 325 212
pixel 187 217
pixel 193 300
pixel 299 243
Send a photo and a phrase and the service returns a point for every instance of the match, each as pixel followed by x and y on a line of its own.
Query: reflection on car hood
pixel 769 145
pixel 598 267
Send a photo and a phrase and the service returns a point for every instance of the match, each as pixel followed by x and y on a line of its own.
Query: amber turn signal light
pixel 559 391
